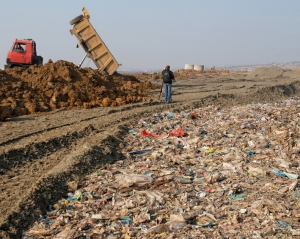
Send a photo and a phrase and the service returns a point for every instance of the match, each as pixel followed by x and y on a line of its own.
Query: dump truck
pixel 23 54
pixel 92 44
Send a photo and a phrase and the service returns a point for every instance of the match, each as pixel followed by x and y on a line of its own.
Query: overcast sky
pixel 151 34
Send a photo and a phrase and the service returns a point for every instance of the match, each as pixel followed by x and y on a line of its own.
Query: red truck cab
pixel 23 54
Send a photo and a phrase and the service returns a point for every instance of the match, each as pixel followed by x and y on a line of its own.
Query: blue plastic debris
pixel 126 219
pixel 285 174
pixel 48 220
pixel 77 197
pixel 250 153
pixel 283 224
pixel 239 196
pixel 132 131
pixel 170 116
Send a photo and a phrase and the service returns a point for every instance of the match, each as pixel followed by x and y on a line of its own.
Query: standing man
pixel 168 77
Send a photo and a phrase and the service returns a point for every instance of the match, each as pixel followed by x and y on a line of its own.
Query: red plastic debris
pixel 147 134
pixel 194 116
pixel 177 133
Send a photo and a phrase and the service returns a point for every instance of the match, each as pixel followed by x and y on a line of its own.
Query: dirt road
pixel 40 154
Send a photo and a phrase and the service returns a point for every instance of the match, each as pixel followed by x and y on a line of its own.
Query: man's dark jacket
pixel 167 76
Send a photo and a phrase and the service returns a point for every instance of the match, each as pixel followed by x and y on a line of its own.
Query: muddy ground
pixel 41 153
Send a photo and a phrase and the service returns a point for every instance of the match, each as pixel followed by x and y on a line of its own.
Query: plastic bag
pixel 127 180
pixel 256 171
pixel 285 174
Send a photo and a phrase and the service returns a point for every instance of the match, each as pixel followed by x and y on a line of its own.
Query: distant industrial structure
pixel 194 67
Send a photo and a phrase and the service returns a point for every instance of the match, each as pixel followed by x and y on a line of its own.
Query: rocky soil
pixel 64 85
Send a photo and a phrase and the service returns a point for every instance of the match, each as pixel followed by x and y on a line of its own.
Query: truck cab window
pixel 19 47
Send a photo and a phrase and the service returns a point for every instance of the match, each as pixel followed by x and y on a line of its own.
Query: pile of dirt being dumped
pixel 64 85
pixel 266 73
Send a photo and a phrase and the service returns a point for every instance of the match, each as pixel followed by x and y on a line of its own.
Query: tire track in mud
pixel 42 128
pixel 22 169
pixel 40 181
pixel 30 151
pixel 37 164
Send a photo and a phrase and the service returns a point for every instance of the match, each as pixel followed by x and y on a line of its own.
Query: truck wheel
pixel 76 19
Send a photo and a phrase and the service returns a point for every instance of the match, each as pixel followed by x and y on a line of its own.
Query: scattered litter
pixel 209 172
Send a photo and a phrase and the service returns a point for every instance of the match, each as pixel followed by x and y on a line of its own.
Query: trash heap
pixel 204 173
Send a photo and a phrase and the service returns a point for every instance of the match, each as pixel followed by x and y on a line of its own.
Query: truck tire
pixel 76 19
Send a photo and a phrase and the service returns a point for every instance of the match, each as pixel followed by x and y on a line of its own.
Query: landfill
pixel 211 172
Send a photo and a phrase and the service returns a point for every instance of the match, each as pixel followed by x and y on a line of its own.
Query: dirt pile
pixel 266 73
pixel 64 85
pixel 263 73
pixel 189 74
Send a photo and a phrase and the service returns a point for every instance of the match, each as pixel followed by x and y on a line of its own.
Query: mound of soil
pixel 266 73
pixel 64 85
pixel 186 74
